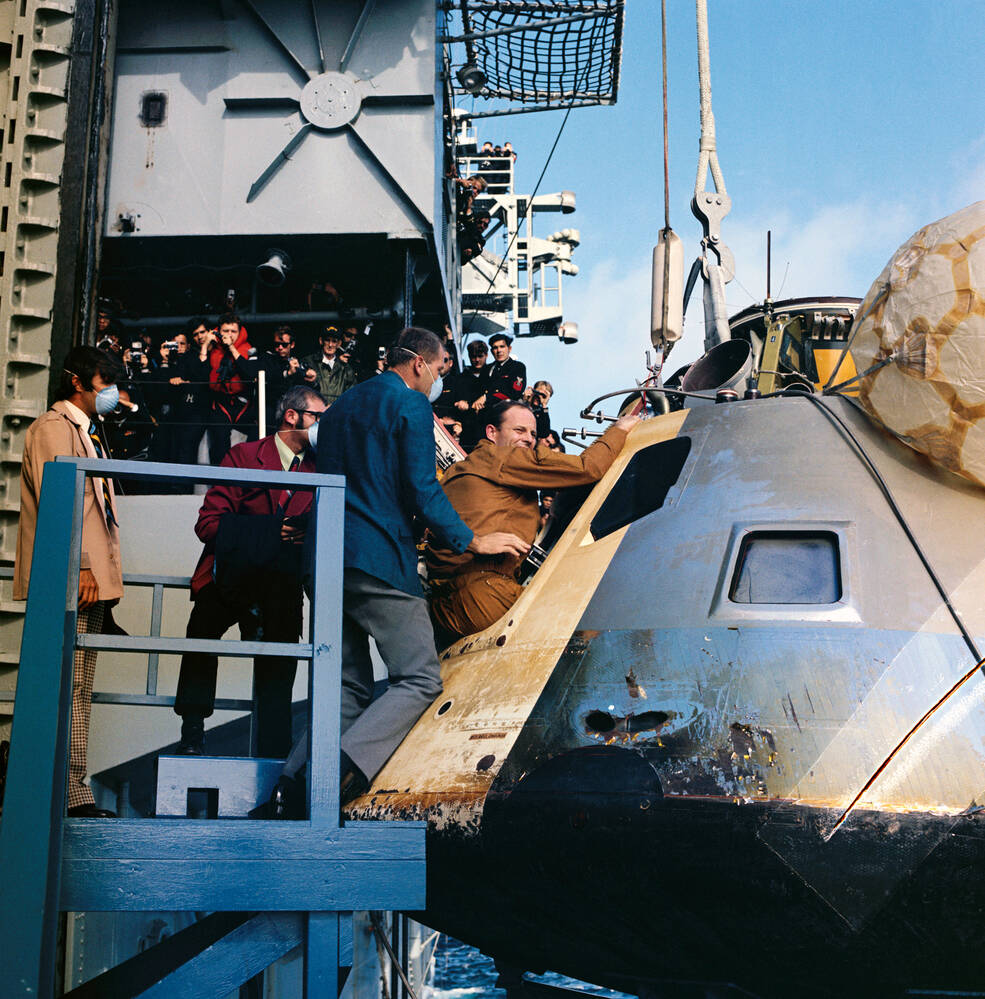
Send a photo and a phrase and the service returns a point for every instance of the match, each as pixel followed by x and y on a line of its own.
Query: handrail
pixel 150 698
pixel 34 836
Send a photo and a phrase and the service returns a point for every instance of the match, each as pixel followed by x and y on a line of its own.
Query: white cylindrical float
pixel 669 249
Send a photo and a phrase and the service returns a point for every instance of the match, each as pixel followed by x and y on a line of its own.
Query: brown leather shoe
pixel 89 812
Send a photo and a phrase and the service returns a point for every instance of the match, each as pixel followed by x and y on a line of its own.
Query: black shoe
pixel 352 785
pixel 192 736
pixel 90 812
pixel 286 801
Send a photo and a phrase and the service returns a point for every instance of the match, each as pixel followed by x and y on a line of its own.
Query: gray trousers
pixel 401 626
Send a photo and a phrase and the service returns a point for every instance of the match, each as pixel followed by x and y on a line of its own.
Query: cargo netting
pixel 573 57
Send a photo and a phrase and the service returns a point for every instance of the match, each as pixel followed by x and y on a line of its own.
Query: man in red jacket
pixel 231 377
pixel 257 580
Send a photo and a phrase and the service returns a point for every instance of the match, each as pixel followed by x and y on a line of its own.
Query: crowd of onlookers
pixel 188 397
pixel 492 174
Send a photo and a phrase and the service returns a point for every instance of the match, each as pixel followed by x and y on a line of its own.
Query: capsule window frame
pixel 598 522
pixel 843 611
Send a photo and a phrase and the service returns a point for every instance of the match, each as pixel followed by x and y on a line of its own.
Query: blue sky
pixel 843 127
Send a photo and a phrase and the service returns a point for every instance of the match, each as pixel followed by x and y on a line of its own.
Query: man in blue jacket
pixel 380 436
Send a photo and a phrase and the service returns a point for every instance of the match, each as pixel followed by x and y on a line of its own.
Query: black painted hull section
pixel 620 886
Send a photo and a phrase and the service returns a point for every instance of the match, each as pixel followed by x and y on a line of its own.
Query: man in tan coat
pixel 495 489
pixel 69 428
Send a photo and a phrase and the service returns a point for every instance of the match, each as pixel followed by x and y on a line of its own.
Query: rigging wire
pixel 900 518
pixel 663 45
pixel 523 219
pixel 666 233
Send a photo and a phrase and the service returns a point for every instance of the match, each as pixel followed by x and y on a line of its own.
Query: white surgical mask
pixel 436 383
pixel 313 435
pixel 107 400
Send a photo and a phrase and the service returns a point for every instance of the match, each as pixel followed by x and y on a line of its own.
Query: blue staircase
pixel 269 886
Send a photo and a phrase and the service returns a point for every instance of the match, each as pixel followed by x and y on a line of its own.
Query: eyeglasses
pixel 310 412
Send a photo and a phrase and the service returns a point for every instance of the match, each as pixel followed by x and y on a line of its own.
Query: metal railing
pixel 274 871
pixel 151 698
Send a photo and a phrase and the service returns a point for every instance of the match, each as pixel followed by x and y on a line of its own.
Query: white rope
pixel 707 155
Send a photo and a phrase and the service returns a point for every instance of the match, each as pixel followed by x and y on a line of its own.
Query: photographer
pixel 231 377
pixel 281 370
pixel 130 427
pixel 540 398
pixel 326 371
pixel 187 374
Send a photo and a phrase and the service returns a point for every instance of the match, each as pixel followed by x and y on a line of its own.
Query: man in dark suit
pixel 506 377
pixel 380 436
pixel 463 392
pixel 260 597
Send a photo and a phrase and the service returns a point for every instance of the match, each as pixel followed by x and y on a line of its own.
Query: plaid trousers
pixel 83 675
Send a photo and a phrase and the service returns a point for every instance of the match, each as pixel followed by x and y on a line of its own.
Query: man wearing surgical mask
pixel 380 436
pixel 87 391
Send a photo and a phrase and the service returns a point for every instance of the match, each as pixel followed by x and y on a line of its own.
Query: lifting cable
pixel 707 154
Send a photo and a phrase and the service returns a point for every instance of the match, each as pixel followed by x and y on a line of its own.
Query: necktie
pixel 288 493
pixel 102 482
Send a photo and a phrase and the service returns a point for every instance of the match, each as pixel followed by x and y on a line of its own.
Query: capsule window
pixel 787 567
pixel 643 486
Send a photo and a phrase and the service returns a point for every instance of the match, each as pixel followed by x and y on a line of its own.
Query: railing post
pixel 321 946
pixel 153 658
pixel 325 674
pixel 31 827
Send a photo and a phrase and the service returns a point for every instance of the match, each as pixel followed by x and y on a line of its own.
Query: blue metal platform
pixel 292 880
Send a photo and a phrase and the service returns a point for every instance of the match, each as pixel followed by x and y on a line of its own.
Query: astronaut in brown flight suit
pixel 495 489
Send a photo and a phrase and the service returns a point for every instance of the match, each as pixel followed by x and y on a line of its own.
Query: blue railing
pixel 151 698
pixel 275 870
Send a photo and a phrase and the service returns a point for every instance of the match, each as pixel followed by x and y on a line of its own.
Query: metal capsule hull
pixel 659 767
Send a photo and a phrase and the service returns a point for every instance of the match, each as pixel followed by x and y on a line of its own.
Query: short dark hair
pixel 415 340
pixel 477 347
pixel 229 319
pixel 297 397
pixel 496 414
pixel 86 362
pixel 284 331
pixel 194 323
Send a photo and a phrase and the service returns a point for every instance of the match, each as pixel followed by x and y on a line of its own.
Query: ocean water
pixel 462 972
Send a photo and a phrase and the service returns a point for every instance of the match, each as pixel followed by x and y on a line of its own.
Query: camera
pixel 381 353
pixel 137 348
pixel 170 344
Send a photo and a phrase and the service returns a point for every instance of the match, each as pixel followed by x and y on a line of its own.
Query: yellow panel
pixel 493 680
pixel 826 359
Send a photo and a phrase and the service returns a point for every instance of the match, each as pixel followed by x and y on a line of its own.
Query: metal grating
pixel 546 52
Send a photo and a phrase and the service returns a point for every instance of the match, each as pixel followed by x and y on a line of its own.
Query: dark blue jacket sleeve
pixel 418 480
